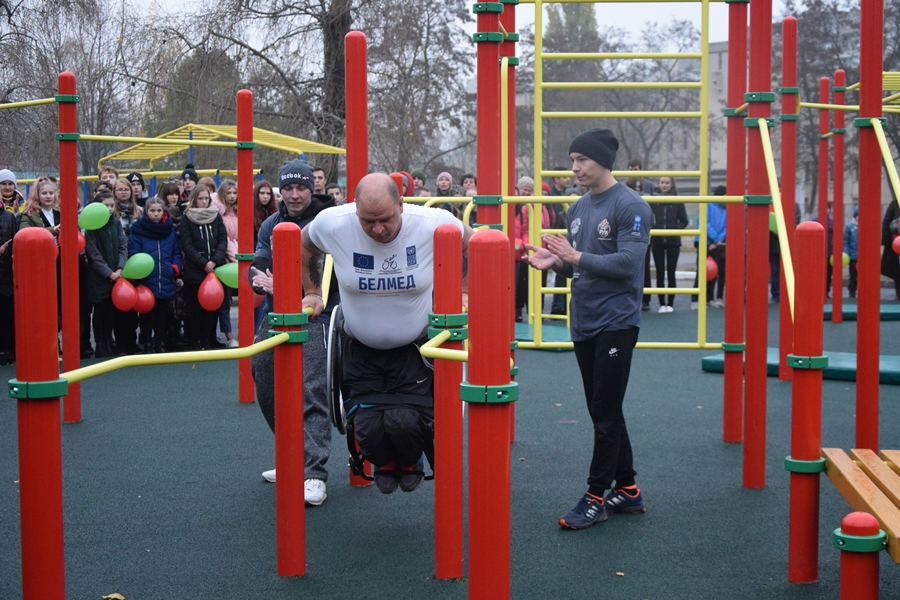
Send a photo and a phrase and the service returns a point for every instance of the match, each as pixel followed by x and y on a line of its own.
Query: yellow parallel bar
pixel 171 359
pixel 674 232
pixel 787 263
pixel 156 141
pixel 430 349
pixel 675 290
pixel 694 199
pixel 429 202
pixel 608 1
pixel 25 103
pixel 616 55
pixel 645 345
pixel 890 98
pixel 150 174
pixel 621 114
pixel 629 85
pixel 888 159
pixel 845 107
pixel 625 174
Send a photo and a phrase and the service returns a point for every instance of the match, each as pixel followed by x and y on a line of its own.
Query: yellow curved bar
pixel 25 103
pixel 888 159
pixel 171 359
pixel 787 263
pixel 467 212
pixel 430 349
pixel 156 141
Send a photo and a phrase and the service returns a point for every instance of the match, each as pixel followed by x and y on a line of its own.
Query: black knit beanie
pixel 190 173
pixel 600 145
pixel 296 171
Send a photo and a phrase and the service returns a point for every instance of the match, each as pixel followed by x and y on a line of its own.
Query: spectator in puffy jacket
pixel 107 252
pixel 7 321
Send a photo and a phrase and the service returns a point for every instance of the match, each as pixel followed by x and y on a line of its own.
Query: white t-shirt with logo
pixel 385 288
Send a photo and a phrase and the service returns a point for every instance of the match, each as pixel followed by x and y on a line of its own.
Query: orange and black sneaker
pixel 624 501
pixel 589 510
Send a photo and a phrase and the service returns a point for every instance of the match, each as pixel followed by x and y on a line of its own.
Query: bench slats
pixel 892 456
pixel 863 494
pixel 880 474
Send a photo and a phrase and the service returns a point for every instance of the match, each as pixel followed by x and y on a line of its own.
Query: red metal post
pixel 757 252
pixel 357 90
pixel 245 239
pixel 290 518
pixel 837 285
pixel 806 412
pixel 789 106
pixel 488 112
pixel 489 458
pixel 735 219
pixel 448 421
pixel 40 445
pixel 68 241
pixel 868 321
pixel 859 570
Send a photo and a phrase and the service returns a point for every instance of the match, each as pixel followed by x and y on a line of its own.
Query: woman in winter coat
pixel 154 234
pixel 42 210
pixel 107 252
pixel 204 242
pixel 666 249
pixel 227 193
pixel 890 264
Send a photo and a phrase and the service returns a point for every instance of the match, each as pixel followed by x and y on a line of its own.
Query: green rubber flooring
pixel 841 366
pixel 549 333
pixel 889 312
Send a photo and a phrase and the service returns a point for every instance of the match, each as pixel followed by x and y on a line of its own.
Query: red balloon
pixel 896 244
pixel 124 295
pixel 145 299
pixel 712 269
pixel 258 299
pixel 211 293
pixel 80 243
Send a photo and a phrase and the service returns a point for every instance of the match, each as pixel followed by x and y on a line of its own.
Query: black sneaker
pixel 588 511
pixel 411 479
pixel 386 481
pixel 617 501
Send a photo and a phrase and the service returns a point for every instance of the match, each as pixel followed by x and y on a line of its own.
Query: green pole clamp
pixel 824 136
pixel 67 98
pixel 489 394
pixel 804 466
pixel 789 117
pixel 487 36
pixel 758 199
pixel 241 257
pixel 288 319
pixel 732 112
pixel 511 61
pixel 497 226
pixel 737 1
pixel 513 2
pixel 37 390
pixel 246 145
pixel 860 543
pixel 514 345
pixel 807 362
pixel 457 334
pixel 867 121
pixel 733 346
pixel 792 89
pixel 487 7
pixel 448 320
pixel 294 337
pixel 839 88
pixel 513 371
pixel 512 37
pixel 759 97
pixel 487 200
pixel 838 131
pixel 753 122
pixel 68 137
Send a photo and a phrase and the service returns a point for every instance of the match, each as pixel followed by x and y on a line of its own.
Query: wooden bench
pixel 870 484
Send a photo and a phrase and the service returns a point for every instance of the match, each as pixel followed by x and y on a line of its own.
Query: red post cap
pixel 860 524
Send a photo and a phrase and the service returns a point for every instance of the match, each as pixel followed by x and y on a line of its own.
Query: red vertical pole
pixel 357 90
pixel 40 445
pixel 790 108
pixel 859 570
pixel 489 495
pixel 806 411
pixel 290 525
pixel 448 421
pixel 837 285
pixel 868 321
pixel 245 239
pixel 488 110
pixel 68 241
pixel 735 217
pixel 757 252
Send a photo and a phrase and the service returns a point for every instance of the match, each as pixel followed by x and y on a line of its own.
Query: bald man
pixel 383 259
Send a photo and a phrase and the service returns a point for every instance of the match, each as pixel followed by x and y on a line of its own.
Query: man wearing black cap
pixel 603 253
pixel 137 186
pixel 190 178
pixel 299 205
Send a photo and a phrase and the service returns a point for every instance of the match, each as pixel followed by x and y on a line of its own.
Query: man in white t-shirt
pixel 383 259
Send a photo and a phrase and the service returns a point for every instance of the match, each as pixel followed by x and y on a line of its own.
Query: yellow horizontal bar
pixel 171 358
pixel 679 345
pixel 847 107
pixel 537 346
pixel 554 317
pixel 25 103
pixel 621 85
pixel 694 199
pixel 891 98
pixel 618 55
pixel 675 232
pixel 156 141
pixel 554 290
pixel 151 174
pixel 680 290
pixel 621 114
pixel 430 350
pixel 432 200
pixel 608 1
pixel 536 199
pixel 626 174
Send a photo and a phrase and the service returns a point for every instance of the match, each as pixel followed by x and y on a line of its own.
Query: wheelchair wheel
pixel 333 375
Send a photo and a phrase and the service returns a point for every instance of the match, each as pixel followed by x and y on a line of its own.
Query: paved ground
pixel 163 497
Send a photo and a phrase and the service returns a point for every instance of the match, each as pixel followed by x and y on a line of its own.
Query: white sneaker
pixel 718 303
pixel 314 492
pixel 662 309
pixel 232 343
pixel 269 476
pixel 669 309
pixel 693 306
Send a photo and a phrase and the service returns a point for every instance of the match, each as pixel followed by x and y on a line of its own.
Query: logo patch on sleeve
pixel 363 261
pixel 636 227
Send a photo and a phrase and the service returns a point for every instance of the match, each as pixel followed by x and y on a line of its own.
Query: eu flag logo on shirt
pixel 363 261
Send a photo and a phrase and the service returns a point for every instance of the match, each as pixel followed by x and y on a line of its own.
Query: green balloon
pixel 228 274
pixel 773 223
pixel 94 216
pixel 138 266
